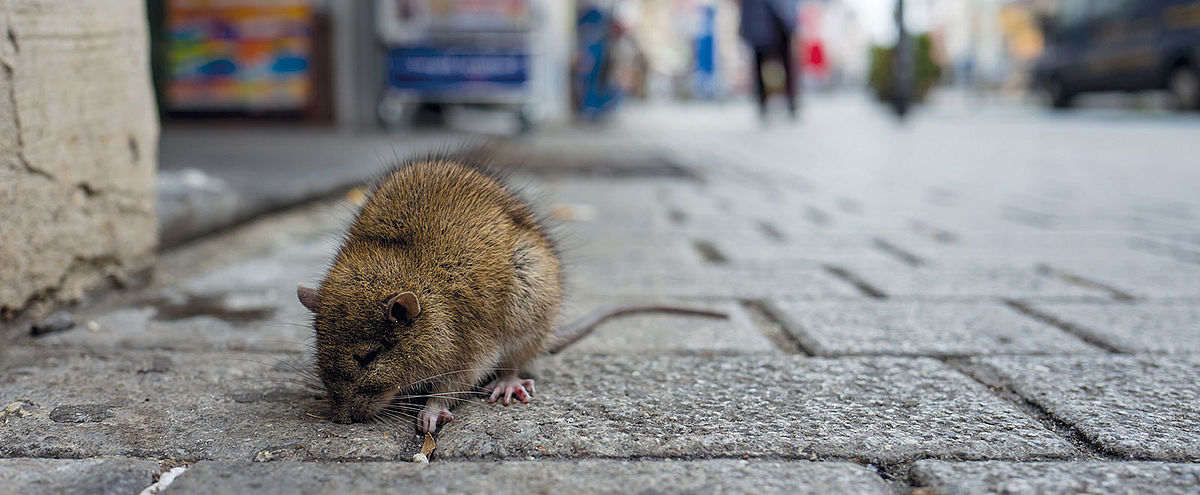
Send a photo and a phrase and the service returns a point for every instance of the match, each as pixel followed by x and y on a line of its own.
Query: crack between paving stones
pixel 1000 387
pixel 892 466
pixel 938 234
pixel 1085 282
pixel 709 252
pixel 849 205
pixel 771 232
pixel 767 319
pixel 1171 249
pixel 1075 330
pixel 858 282
pixel 897 252
pixel 677 217
pixel 817 216
pixel 896 475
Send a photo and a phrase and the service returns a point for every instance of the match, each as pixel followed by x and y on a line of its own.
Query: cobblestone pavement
pixel 1003 302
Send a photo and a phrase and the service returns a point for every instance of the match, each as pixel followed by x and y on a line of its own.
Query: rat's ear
pixel 403 307
pixel 308 296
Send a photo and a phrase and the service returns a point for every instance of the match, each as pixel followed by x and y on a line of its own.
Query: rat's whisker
pixel 439 375
pixel 310 386
pixel 287 323
pixel 297 367
pixel 284 367
pixel 395 416
pixel 446 397
pixel 404 409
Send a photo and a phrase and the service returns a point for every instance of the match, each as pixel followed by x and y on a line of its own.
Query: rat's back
pixel 443 206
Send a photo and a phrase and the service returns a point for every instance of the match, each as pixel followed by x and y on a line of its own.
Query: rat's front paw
pixel 510 386
pixel 431 417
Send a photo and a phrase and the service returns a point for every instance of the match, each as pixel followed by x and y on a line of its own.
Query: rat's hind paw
pixel 510 386
pixel 431 417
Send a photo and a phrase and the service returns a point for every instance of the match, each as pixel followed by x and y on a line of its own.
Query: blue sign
pixel 428 68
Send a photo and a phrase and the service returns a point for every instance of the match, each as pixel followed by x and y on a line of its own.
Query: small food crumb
pixel 420 458
pixel 428 446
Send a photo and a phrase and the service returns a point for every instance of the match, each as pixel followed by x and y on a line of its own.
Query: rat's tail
pixel 579 328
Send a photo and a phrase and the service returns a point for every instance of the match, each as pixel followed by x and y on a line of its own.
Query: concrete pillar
pixel 78 144
pixel 358 72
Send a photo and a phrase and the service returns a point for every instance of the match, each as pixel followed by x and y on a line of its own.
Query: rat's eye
pixel 365 359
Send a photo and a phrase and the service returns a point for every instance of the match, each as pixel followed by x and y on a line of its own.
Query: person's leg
pixel 785 53
pixel 760 86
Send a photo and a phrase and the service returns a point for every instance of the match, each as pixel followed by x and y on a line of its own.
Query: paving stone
pixel 1133 407
pixel 814 248
pixel 729 198
pixel 875 409
pixel 277 271
pixel 521 477
pixel 1025 252
pixel 834 328
pixel 72 476
pixel 1050 478
pixel 618 250
pixel 246 305
pixel 728 282
pixel 1141 327
pixel 664 332
pixel 965 280
pixel 177 405
pixel 611 205
pixel 308 232
pixel 143 328
pixel 1138 277
pixel 1017 241
pixel 742 229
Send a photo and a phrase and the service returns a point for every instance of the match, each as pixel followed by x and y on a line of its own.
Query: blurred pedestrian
pixel 767 26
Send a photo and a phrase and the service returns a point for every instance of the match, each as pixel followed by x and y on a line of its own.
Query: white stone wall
pixel 78 139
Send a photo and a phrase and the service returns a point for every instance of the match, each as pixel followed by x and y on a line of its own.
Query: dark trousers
pixel 782 52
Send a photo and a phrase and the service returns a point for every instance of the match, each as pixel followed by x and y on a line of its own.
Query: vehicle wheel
pixel 1184 85
pixel 1057 95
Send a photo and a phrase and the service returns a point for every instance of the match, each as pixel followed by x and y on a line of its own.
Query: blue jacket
pixel 761 20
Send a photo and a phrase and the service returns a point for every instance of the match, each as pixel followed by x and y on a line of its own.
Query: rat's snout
pixel 356 408
pixel 347 413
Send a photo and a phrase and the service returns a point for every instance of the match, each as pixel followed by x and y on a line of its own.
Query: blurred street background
pixel 963 256
pixel 271 103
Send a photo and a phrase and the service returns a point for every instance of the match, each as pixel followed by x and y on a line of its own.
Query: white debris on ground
pixel 164 480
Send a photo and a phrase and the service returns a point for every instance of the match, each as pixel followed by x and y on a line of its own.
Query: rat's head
pixel 369 346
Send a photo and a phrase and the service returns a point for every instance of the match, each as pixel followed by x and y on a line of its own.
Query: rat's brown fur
pixel 485 274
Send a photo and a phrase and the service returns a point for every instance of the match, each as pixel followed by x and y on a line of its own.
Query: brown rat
pixel 443 278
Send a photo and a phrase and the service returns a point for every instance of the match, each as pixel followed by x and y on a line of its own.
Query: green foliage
pixel 926 71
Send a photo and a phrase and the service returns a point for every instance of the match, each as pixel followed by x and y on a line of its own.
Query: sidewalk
pixel 212 177
pixel 966 305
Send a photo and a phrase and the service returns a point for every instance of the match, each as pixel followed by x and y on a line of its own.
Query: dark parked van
pixel 1121 45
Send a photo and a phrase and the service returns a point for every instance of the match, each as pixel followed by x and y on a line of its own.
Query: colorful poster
pixel 239 55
